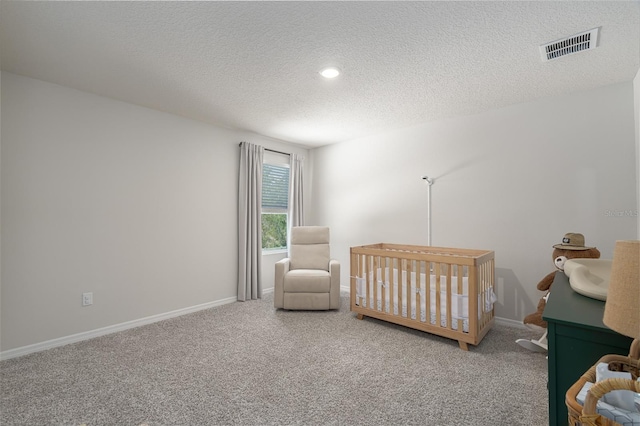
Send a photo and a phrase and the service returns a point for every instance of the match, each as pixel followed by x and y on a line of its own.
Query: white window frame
pixel 280 160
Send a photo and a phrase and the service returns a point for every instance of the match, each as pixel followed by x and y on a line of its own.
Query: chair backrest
pixel 309 247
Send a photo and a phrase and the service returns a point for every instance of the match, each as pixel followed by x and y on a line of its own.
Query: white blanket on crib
pixel 459 300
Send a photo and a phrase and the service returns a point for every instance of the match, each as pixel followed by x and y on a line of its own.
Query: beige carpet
pixel 248 364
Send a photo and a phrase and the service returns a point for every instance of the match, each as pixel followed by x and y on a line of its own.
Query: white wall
pixel 0 211
pixel 139 206
pixel 513 180
pixel 636 92
pixel 135 205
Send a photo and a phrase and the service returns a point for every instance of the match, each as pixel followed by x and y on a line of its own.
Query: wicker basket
pixel 587 416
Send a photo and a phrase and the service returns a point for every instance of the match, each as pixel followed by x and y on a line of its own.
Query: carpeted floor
pixel 248 364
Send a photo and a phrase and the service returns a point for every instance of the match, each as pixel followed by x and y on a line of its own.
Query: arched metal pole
pixel 429 183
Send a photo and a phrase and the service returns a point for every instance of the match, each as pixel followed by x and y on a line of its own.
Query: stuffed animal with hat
pixel 572 247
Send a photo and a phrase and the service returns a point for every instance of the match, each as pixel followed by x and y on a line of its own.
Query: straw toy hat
pixel 572 241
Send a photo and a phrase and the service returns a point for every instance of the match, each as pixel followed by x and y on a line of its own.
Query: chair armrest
pixel 282 267
pixel 334 292
pixel 283 264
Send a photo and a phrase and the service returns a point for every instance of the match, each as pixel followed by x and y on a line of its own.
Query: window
pixel 275 205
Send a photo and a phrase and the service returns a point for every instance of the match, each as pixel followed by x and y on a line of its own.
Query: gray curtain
pixel 296 209
pixel 249 222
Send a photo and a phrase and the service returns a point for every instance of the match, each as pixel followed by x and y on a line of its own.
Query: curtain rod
pixel 277 152
pixel 272 150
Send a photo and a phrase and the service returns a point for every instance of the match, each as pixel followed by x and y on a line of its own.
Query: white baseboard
pixel 510 323
pixel 86 335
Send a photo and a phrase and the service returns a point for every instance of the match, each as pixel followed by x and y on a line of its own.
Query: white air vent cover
pixel 574 44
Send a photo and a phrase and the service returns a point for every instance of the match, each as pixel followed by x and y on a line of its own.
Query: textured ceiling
pixel 254 65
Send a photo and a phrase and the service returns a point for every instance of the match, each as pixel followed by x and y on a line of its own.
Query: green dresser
pixel 577 340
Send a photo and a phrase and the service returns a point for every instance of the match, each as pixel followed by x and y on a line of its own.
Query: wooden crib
pixel 427 288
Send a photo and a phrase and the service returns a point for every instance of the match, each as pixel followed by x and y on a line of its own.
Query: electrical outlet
pixel 87 299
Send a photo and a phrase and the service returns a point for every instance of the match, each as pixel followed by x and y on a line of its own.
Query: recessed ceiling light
pixel 330 72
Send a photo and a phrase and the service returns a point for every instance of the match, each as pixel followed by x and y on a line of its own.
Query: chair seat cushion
pixel 307 281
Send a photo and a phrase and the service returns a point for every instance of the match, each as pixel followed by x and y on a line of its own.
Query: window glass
pixel 275 204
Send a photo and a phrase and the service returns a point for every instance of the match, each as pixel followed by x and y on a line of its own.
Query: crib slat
pixel 364 276
pixel 473 304
pixel 376 280
pixel 396 276
pixel 407 281
pixel 460 273
pixel 407 272
pixel 389 279
pixel 482 295
pixel 448 296
pixel 418 286
pixel 427 302
pixel 411 296
pixel 366 281
pixel 437 295
pixel 372 284
pixel 358 273
pixel 353 280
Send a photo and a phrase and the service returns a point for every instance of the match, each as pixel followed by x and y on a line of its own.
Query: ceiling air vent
pixel 573 44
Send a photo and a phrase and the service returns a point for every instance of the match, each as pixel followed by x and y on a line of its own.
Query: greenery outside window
pixel 275 206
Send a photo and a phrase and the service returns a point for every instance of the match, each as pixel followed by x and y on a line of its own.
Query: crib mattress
pixel 423 315
pixel 459 302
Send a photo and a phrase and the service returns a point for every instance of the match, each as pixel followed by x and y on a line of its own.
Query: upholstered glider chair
pixel 309 279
